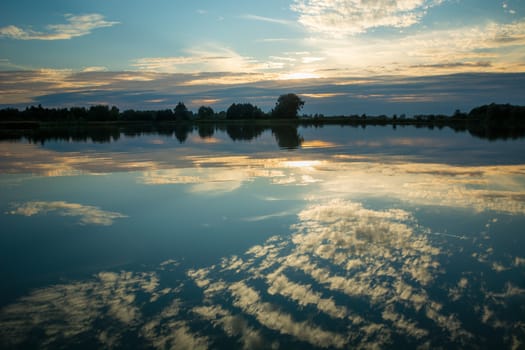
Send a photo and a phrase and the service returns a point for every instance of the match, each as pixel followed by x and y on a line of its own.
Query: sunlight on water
pixel 356 239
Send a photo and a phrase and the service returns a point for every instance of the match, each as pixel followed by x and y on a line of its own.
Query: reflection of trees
pixel 497 121
pixel 244 132
pixel 287 136
pixel 163 130
pixel 182 131
pixel 485 131
pixel 494 121
pixel 348 276
pixel 206 130
pixel 101 134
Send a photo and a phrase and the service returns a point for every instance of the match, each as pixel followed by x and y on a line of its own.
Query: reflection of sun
pixel 303 164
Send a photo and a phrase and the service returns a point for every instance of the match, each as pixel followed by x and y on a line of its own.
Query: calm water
pixel 286 239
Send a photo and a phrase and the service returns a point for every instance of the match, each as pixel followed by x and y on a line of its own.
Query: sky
pixel 340 56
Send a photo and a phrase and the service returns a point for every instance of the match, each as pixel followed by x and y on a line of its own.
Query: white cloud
pixel 164 332
pixel 206 58
pixel 94 69
pixel 390 265
pixel 266 19
pixel 249 301
pixel 88 214
pixel 233 325
pixel 348 17
pixel 67 310
pixel 342 260
pixel 76 26
pixel 303 295
pixel 488 47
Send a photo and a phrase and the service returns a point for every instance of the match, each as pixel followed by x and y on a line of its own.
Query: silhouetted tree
pixel 244 111
pixel 181 112
pixel 205 112
pixel 165 115
pixel 287 106
pixel 102 113
pixel 78 113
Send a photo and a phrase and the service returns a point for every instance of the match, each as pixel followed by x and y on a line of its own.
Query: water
pixel 335 237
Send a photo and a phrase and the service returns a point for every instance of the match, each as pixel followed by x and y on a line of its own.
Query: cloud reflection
pixel 420 182
pixel 89 215
pixel 348 276
pixel 379 258
pixel 68 311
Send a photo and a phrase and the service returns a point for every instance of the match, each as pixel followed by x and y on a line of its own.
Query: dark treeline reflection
pixel 286 135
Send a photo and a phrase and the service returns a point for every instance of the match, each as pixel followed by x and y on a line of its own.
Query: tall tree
pixel 181 112
pixel 287 106
pixel 205 112
pixel 244 111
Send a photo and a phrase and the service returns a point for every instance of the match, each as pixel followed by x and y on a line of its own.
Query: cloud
pixel 303 295
pixel 214 178
pixel 348 276
pixel 94 69
pixel 488 47
pixel 233 326
pixel 76 26
pixel 65 311
pixel 248 300
pixel 266 19
pixel 88 214
pixel 341 248
pixel 207 58
pixel 349 17
pixel 268 216
pixel 330 93
pixel 164 331
pixel 475 187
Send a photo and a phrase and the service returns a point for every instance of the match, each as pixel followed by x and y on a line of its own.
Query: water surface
pixel 333 237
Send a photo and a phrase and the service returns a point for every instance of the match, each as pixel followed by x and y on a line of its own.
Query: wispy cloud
pixel 489 47
pixel 316 286
pixel 88 214
pixel 76 26
pixel 94 69
pixel 349 17
pixel 207 58
pixel 65 311
pixel 267 19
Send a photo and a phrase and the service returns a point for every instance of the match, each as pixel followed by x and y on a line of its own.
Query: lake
pixel 245 237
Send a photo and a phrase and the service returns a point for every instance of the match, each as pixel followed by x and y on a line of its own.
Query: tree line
pixel 490 121
pixel 286 107
pixel 286 135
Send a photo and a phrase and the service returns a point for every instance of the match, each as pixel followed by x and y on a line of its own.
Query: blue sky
pixel 341 56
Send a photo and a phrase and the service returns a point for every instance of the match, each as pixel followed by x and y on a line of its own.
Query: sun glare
pixel 303 164
pixel 299 76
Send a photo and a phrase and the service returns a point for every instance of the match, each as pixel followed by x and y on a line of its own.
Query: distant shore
pixel 494 121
